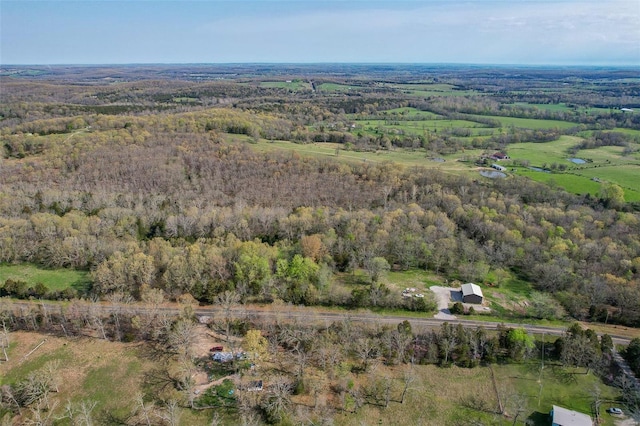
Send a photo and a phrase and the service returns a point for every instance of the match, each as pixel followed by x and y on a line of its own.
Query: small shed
pixel 254 386
pixel 564 417
pixel 472 293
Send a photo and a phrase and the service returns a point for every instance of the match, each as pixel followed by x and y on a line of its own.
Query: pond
pixel 438 160
pixel 577 160
pixel 493 174
pixel 538 169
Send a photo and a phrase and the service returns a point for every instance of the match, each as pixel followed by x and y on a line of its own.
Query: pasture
pixel 531 123
pixel 294 85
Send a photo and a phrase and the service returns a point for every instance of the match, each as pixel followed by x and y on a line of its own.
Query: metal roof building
pixel 471 293
pixel 564 417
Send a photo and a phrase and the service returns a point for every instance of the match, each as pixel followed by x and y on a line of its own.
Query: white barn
pixel 471 293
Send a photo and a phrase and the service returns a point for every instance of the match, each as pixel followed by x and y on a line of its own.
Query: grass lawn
pixel 54 279
pixel 566 387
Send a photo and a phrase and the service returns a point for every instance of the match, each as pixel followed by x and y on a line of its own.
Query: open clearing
pixel 54 279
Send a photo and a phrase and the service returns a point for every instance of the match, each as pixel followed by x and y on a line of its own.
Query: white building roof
pixel 470 288
pixel 564 417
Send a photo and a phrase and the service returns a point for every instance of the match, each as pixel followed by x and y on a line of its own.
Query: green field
pixel 430 89
pixel 294 85
pixel 335 87
pixel 54 279
pixel 410 112
pixel 539 153
pixel 532 123
pixel 420 127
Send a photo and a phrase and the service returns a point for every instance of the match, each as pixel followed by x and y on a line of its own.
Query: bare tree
pixel 4 339
pixel 170 413
pixel 228 301
pixel 278 401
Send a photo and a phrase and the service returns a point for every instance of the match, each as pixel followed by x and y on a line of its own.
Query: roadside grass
pixel 54 279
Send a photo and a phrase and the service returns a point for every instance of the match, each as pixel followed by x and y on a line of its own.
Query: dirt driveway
pixel 443 296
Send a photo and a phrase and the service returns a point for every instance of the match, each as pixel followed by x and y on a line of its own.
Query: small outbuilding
pixel 499 167
pixel 472 293
pixel 564 417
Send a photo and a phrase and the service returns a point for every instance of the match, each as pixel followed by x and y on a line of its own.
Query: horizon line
pixel 477 64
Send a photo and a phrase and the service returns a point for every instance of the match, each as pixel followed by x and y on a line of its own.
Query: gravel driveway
pixel 443 296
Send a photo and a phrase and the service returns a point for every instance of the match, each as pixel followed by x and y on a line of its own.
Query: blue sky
pixel 557 32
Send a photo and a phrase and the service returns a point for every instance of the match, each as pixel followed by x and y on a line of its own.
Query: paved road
pixel 301 313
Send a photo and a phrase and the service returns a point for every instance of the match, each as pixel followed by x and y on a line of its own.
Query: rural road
pixel 302 313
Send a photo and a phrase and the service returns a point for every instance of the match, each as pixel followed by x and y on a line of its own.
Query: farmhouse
pixel 563 417
pixel 499 167
pixel 499 156
pixel 471 293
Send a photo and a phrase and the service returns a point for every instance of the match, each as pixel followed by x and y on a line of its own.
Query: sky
pixel 520 32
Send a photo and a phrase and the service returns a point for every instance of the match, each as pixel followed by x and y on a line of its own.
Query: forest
pixel 166 183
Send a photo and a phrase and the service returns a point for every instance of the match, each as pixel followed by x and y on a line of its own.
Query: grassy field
pixel 408 112
pixel 335 87
pixel 54 279
pixel 532 123
pixel 604 163
pixel 430 89
pixel 294 85
pixel 107 373
pixel 419 127
pixel 451 396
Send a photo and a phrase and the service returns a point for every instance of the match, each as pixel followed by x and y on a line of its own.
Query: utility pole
pixel 541 369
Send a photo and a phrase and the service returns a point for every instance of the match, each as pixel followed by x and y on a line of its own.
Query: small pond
pixel 492 174
pixel 538 169
pixel 577 160
pixel 438 160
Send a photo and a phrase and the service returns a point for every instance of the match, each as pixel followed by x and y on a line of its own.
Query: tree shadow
pixel 538 419
pixel 153 352
pixel 563 376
